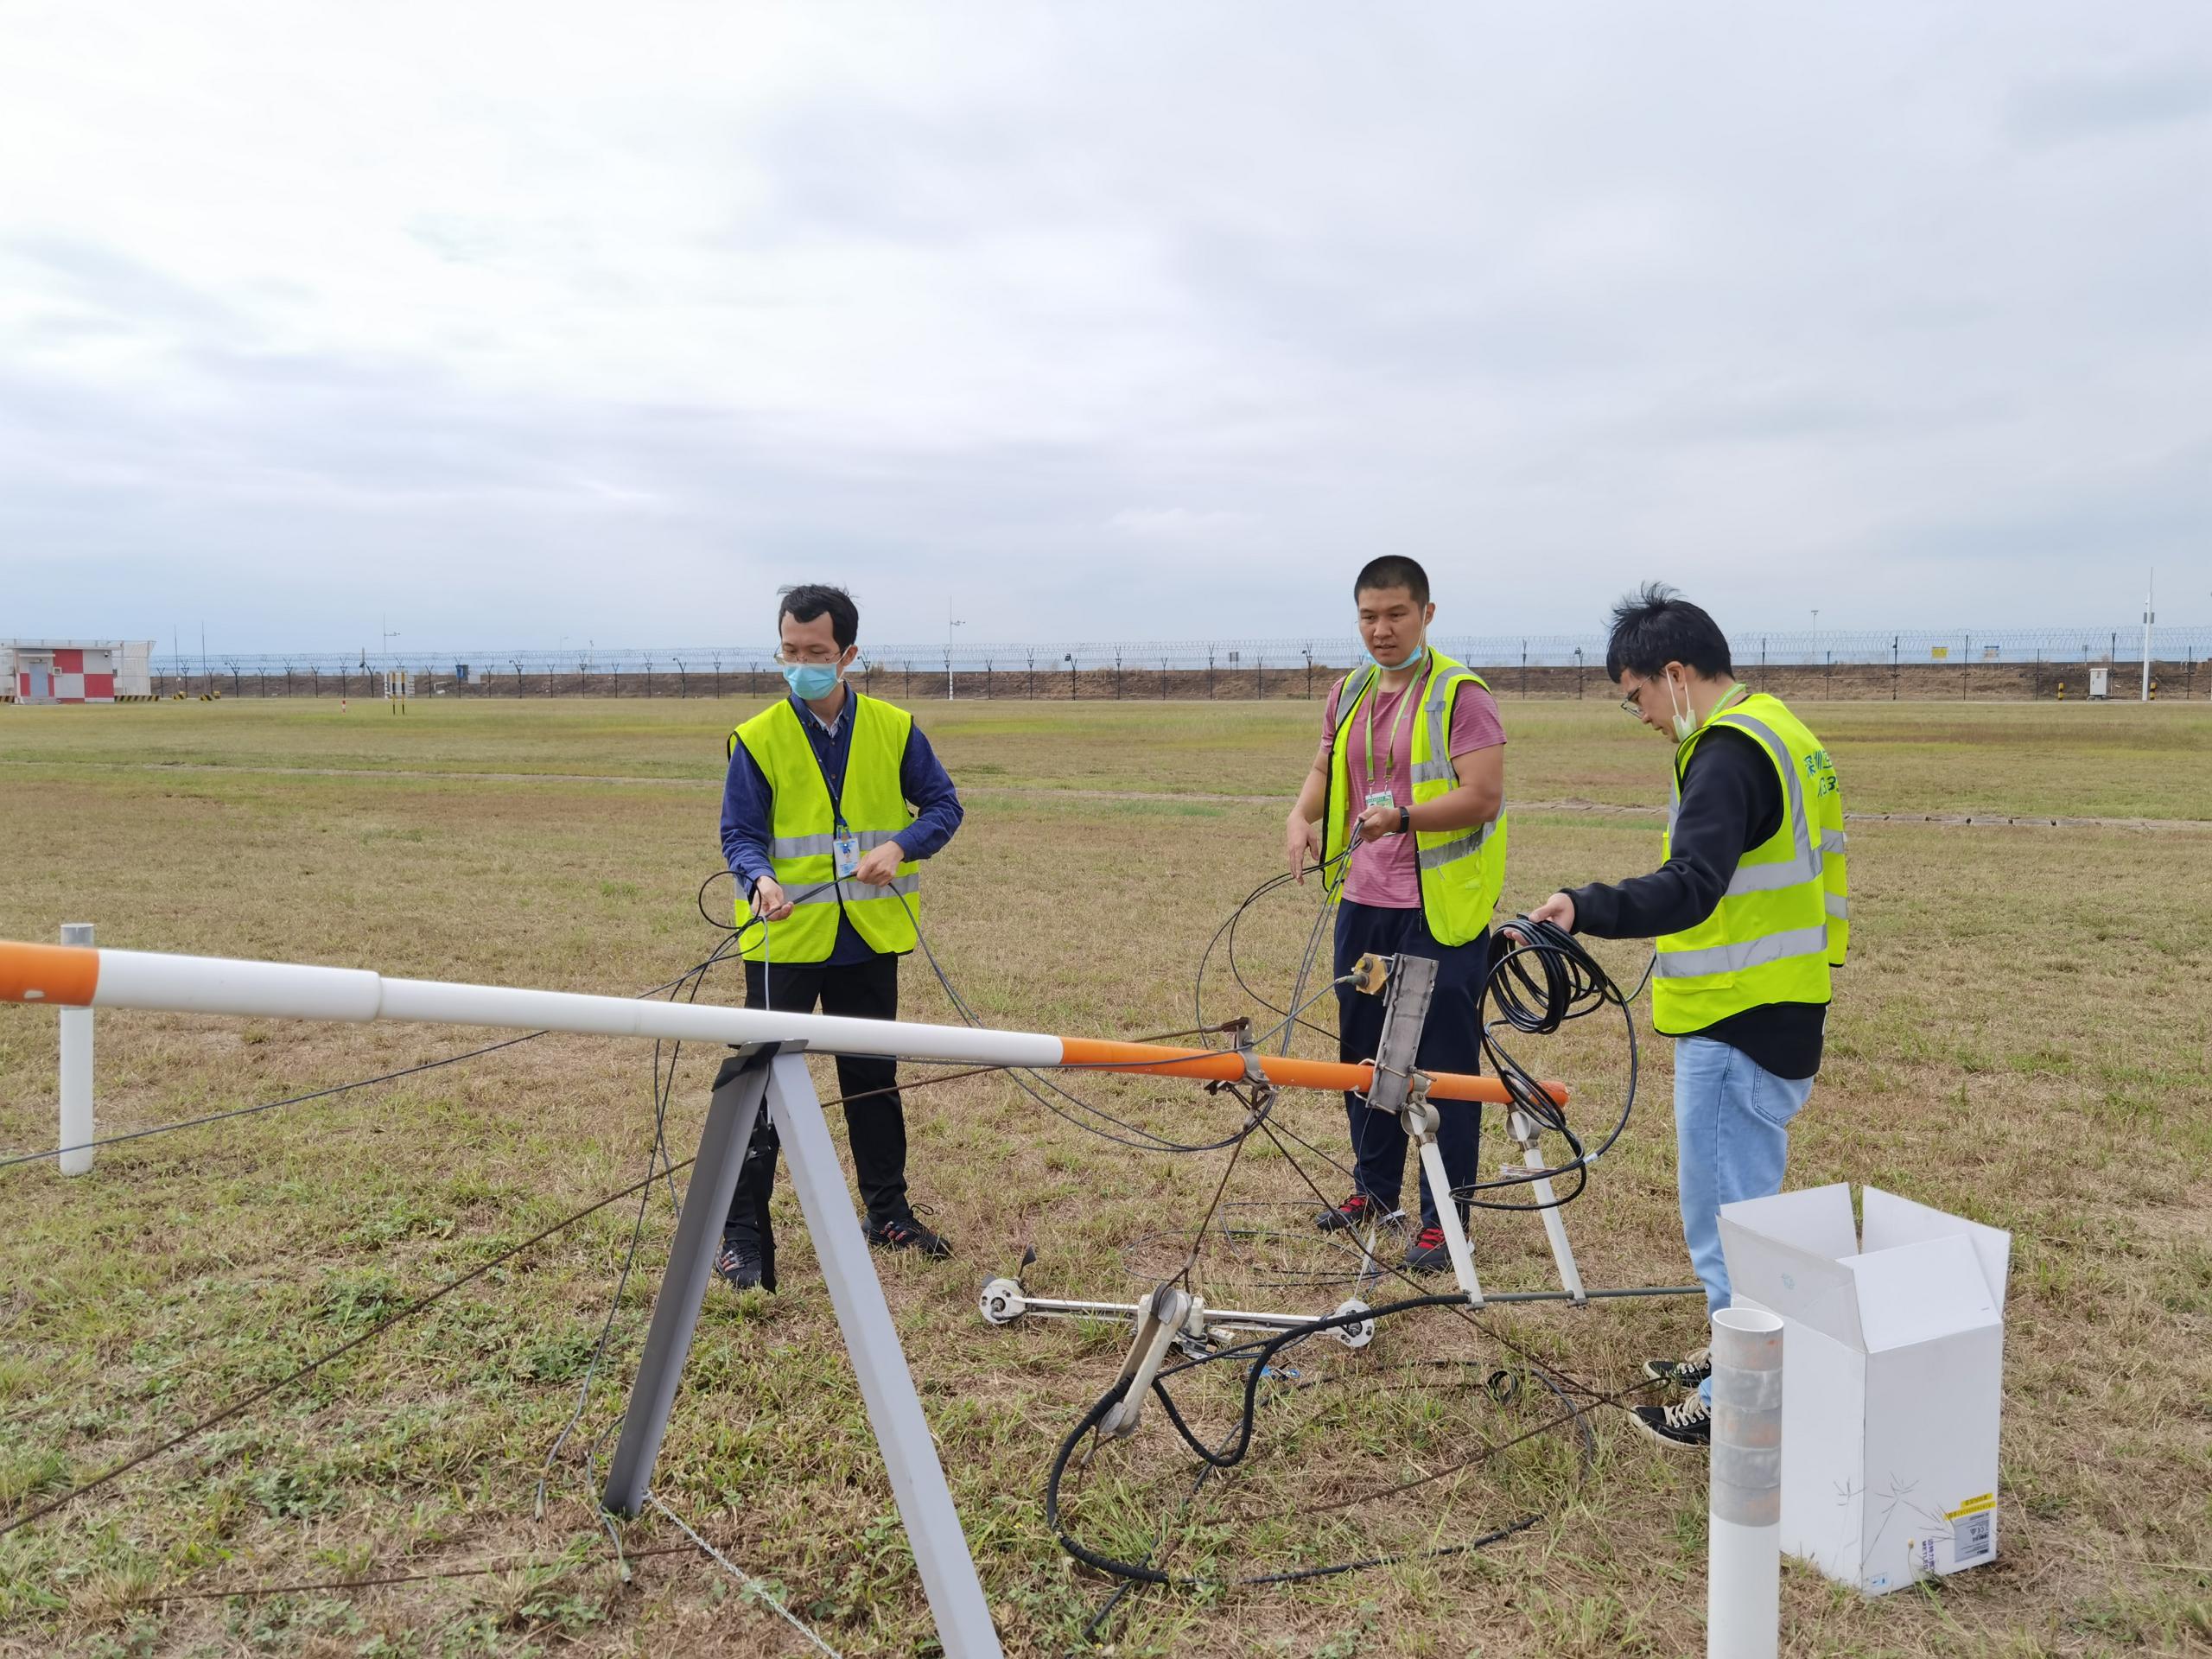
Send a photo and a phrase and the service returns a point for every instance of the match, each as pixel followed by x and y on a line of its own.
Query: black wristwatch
pixel 1405 819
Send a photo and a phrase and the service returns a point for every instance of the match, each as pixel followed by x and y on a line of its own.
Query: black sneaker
pixel 1428 1253
pixel 1687 1372
pixel 738 1264
pixel 907 1234
pixel 1686 1426
pixel 1354 1211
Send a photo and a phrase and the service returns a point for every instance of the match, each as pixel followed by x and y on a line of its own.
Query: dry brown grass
pixel 2023 1036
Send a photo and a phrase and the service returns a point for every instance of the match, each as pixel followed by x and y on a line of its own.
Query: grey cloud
pixel 2091 106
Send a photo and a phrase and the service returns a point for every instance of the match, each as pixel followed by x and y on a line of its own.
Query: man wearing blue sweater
pixel 832 801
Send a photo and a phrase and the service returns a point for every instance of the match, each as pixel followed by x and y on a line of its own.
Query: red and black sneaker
pixel 907 1234
pixel 1428 1253
pixel 1354 1213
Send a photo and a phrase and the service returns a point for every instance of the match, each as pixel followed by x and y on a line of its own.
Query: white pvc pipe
pixel 1743 1611
pixel 137 979
pixel 76 1079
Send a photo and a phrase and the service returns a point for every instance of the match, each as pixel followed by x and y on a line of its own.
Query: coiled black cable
pixel 1261 1351
pixel 1540 978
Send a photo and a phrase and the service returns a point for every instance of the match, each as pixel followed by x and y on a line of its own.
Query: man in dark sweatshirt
pixel 1749 914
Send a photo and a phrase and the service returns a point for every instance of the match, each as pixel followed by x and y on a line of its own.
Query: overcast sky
pixel 519 322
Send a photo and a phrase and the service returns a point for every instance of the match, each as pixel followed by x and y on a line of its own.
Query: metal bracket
pixel 1369 973
pixel 1161 1317
pixel 1402 1089
pixel 1005 1300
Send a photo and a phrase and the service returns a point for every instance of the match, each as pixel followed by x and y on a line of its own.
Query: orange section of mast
pixel 1228 1065
pixel 63 973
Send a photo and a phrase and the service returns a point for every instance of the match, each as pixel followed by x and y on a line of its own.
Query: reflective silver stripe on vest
pixel 1438 765
pixel 1741 958
pixel 860 891
pixel 1804 863
pixel 1435 858
pixel 1833 841
pixel 1839 906
pixel 825 846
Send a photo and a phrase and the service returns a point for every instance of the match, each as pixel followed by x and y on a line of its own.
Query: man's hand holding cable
pixel 1380 820
pixel 879 867
pixel 768 901
pixel 1559 909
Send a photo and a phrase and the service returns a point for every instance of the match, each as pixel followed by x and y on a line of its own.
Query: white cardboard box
pixel 1893 1359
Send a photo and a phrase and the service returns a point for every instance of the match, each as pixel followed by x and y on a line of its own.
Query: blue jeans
pixel 1731 1141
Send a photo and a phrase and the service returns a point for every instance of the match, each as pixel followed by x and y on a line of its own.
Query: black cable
pixel 24 1517
pixel 1236 1447
pixel 1542 978
pixel 1136 1138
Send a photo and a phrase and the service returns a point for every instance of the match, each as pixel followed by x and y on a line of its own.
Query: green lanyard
pixel 1397 724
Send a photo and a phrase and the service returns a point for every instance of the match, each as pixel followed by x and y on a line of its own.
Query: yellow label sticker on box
pixel 1972 1506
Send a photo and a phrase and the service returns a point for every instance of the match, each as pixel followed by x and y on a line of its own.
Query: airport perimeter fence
pixel 2017 664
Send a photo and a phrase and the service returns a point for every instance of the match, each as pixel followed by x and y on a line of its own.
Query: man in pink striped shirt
pixel 1382 907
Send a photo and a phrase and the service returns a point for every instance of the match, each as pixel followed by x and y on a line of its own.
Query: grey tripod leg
pixel 963 1618
pixel 730 1117
pixel 777 1073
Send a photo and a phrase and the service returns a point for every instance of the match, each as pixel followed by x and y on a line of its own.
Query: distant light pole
pixel 951 623
pixel 2150 615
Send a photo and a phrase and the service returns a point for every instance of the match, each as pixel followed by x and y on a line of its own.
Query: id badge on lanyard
pixel 845 853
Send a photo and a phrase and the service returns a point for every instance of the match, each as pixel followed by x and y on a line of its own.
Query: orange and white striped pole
pixel 74 976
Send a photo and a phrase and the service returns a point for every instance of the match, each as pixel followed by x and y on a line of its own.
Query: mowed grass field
pixel 2024 1035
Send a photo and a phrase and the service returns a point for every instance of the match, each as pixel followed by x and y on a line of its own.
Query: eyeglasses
pixel 1633 706
pixel 814 658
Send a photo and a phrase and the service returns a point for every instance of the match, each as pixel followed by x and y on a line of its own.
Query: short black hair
pixel 1656 626
pixel 1392 570
pixel 811 599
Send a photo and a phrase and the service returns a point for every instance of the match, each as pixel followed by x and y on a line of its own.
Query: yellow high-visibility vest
pixel 804 824
pixel 1785 919
pixel 1462 871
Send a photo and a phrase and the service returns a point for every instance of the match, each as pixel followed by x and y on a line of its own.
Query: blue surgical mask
pixel 1395 668
pixel 812 681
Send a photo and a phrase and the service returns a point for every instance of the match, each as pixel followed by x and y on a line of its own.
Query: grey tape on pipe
pixel 1753 1431
pixel 1752 1468
pixel 1748 1390
pixel 1745 1506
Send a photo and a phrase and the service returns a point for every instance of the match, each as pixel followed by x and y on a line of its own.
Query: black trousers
pixel 1450 1041
pixel 876 1126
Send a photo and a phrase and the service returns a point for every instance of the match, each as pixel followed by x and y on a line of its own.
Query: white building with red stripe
pixel 76 671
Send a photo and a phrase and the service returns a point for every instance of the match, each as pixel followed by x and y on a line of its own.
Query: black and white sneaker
pixel 1687 1372
pixel 1685 1425
pixel 907 1234
pixel 738 1264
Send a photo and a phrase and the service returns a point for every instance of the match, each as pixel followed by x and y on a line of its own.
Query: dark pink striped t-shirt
pixel 1384 873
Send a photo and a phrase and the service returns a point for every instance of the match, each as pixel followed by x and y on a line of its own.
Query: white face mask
pixel 1685 716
